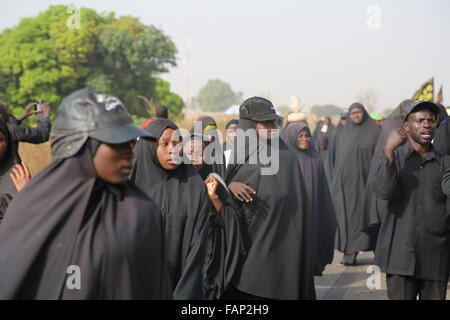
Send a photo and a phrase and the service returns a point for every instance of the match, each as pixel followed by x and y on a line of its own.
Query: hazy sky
pixel 321 51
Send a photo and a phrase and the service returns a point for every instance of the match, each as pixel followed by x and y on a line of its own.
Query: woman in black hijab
pixel 272 197
pixel 192 227
pixel 297 136
pixel 79 230
pixel 353 159
pixel 333 145
pixel 322 147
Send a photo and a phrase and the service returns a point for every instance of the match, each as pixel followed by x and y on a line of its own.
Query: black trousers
pixel 408 288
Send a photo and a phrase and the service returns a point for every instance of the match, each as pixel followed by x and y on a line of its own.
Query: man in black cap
pixel 413 245
pixel 272 197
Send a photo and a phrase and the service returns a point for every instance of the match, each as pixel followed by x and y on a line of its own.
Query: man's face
pixel 265 129
pixel 356 116
pixel 421 126
pixel 343 121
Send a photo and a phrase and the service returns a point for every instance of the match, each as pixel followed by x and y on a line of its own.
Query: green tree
pixel 217 96
pixel 44 59
pixel 327 110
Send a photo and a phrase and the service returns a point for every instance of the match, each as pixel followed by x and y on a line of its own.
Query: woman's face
pixel 3 145
pixel 231 131
pixel 304 139
pixel 194 151
pixel 167 150
pixel 113 162
pixel 356 116
pixel 266 129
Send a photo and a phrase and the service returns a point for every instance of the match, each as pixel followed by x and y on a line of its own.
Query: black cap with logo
pixel 414 105
pixel 258 109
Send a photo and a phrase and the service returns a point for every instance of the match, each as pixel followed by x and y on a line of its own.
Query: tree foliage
pixel 44 59
pixel 327 110
pixel 217 96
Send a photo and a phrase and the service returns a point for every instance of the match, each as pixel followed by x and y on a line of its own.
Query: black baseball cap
pixel 258 109
pixel 344 114
pixel 410 107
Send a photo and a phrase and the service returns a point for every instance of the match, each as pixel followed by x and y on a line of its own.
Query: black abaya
pixel 67 218
pixel 353 159
pixel 319 198
pixel 201 256
pixel 278 264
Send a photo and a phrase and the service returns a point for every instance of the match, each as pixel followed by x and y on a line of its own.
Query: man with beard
pixel 413 246
pixel 353 159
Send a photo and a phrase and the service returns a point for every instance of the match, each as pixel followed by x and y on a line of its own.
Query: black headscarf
pixel 376 208
pixel 319 198
pixel 351 171
pixel 210 137
pixel 200 265
pixel 67 218
pixel 278 264
pixel 323 152
pixel 11 157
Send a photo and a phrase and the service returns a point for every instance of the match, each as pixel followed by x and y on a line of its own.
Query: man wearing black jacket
pixel 413 245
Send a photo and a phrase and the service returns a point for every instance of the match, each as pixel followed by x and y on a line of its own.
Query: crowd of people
pixel 160 213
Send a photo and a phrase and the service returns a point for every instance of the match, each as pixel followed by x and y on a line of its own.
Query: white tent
pixel 232 110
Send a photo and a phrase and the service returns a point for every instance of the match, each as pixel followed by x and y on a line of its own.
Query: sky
pixel 321 51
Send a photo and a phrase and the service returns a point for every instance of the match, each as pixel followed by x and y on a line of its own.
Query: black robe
pixel 376 208
pixel 201 256
pixel 11 157
pixel 351 171
pixel 319 198
pixel 278 225
pixel 67 219
pixel 441 139
pixel 333 145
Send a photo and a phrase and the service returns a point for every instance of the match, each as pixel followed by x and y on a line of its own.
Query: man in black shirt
pixel 413 245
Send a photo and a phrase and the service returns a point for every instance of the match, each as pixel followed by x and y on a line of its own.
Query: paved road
pixel 350 283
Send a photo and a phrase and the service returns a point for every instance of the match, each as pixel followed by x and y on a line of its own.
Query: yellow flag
pixel 425 92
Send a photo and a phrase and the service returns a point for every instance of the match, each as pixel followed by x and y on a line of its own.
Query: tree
pixel 217 96
pixel 327 110
pixel 44 59
pixel 369 99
